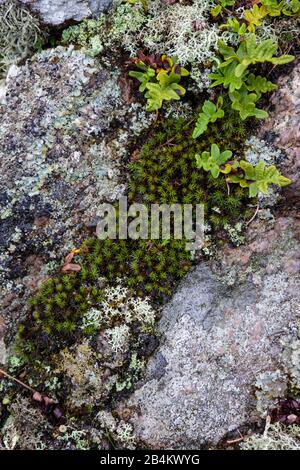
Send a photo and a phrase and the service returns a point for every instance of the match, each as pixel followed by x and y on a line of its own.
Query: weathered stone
pixel 220 331
pixel 283 127
pixel 56 12
pixel 226 350
pixel 62 136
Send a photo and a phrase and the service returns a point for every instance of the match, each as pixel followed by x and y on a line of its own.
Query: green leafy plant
pixel 215 162
pixel 215 11
pixel 286 7
pixel 210 113
pixel 245 104
pixel 255 16
pixel 233 73
pixel 258 178
pixel 161 84
pixel 143 77
pixel 235 26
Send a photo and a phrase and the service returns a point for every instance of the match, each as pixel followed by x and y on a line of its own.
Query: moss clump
pixel 166 171
pixel 89 308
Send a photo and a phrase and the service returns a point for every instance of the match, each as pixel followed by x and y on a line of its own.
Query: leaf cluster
pixel 257 178
pixel 215 161
pixel 233 74
pixel 215 11
pixel 161 84
pixel 210 113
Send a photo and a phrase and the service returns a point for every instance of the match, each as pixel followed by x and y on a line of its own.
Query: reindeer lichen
pixel 20 34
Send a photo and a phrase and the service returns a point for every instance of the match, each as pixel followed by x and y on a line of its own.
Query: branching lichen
pixel 275 437
pixel 20 34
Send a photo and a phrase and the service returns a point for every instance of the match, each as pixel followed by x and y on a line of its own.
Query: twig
pixel 228 188
pixel 253 217
pixel 235 441
pixel 17 381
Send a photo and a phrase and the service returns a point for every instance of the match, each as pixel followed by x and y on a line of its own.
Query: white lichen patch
pixel 275 437
pixel 119 304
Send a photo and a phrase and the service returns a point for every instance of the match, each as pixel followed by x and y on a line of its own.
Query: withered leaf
pixel 71 267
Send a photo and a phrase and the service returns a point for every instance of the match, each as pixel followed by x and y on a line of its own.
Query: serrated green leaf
pixel 258 177
pixel 210 113
pixel 240 69
pixel 259 84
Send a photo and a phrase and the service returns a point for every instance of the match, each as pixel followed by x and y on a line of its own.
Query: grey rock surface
pixel 62 142
pixel 221 331
pixel 57 12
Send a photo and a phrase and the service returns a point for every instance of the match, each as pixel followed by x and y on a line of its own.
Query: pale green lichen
pixel 119 430
pixel 20 34
pixel 291 357
pixel 80 364
pixel 25 426
pixel 235 233
pixel 269 386
pixel 275 437
pixel 276 384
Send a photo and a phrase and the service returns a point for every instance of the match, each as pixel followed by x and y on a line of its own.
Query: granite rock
pixel 63 131
pixel 57 12
pixel 282 128
pixel 221 331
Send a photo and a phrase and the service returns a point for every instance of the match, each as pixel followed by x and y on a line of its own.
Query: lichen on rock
pixel 57 12
pixel 75 133
pixel 217 340
pixel 63 159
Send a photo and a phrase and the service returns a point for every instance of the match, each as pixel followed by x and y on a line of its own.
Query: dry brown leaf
pixel 70 267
